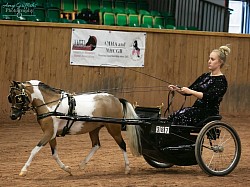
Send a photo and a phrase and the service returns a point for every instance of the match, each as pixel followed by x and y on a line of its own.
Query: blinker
pixel 19 99
pixel 9 99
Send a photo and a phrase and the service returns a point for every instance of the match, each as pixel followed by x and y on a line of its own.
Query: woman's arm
pixel 188 91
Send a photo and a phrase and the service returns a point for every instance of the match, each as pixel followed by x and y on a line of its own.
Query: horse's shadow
pixel 135 173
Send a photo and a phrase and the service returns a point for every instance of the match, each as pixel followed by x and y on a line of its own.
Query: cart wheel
pixel 217 148
pixel 157 164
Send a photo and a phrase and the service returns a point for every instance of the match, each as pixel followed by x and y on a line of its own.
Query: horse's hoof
pixel 82 166
pixel 67 169
pixel 23 173
pixel 127 171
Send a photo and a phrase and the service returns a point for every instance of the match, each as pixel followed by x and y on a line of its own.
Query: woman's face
pixel 214 61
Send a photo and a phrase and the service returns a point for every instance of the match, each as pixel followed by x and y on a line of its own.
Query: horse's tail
pixel 133 131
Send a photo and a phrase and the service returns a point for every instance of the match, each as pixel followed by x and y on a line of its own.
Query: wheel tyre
pixel 157 164
pixel 199 147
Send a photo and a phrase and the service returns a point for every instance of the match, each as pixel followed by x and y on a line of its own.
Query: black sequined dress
pixel 213 89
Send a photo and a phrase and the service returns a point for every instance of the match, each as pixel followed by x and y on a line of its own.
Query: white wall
pixel 235 17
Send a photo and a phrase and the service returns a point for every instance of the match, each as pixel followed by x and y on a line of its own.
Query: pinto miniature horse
pixel 49 103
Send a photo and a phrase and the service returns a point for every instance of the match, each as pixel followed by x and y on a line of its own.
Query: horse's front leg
pixel 39 146
pixel 56 157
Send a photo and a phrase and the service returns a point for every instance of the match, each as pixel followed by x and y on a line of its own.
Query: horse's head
pixel 19 100
pixel 92 41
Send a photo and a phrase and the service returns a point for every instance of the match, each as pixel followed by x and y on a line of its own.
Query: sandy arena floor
pixel 107 166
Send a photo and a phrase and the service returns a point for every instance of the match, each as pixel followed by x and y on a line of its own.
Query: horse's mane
pixel 47 87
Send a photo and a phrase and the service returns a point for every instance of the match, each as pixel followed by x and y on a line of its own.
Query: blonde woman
pixel 209 90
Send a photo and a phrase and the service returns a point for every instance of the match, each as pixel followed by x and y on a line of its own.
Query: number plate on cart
pixel 160 129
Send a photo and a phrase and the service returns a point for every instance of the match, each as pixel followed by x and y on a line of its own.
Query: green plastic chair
pixel 109 18
pixel 103 11
pixel 145 17
pixel 121 19
pixel 158 19
pixel 133 20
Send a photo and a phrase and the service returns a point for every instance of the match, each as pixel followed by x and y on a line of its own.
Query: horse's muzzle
pixel 15 116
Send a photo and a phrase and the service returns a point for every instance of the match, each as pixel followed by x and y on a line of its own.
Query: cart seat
pixel 148 112
pixel 210 118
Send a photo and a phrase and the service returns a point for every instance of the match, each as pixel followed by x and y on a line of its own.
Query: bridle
pixel 22 101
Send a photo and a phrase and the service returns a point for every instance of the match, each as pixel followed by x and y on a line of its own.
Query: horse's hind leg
pixel 56 157
pixel 94 136
pixel 115 132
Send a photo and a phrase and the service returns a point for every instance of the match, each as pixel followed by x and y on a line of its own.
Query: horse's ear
pixel 15 83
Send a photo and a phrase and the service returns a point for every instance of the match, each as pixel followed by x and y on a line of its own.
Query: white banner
pixel 107 48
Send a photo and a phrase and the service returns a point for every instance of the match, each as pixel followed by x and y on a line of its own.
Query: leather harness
pixel 71 112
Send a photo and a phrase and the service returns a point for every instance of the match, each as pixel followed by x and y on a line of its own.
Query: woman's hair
pixel 223 52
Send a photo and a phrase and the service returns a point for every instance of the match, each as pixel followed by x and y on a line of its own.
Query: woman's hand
pixel 174 87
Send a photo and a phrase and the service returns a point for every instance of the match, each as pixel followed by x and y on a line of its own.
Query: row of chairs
pixel 128 17
pixel 93 5
pixel 78 5
pixel 124 17
pixel 106 13
pixel 81 21
pixel 70 8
